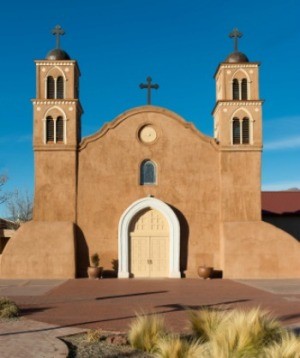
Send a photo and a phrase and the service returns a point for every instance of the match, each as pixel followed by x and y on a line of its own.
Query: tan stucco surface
pixel 259 250
pixel 187 163
pixel 40 250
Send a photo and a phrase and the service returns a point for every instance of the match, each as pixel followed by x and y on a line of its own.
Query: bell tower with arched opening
pixel 238 132
pixel 57 132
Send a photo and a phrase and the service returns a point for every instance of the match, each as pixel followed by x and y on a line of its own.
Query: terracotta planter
pixel 205 271
pixel 94 272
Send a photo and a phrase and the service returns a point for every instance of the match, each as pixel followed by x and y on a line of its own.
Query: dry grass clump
pixel 176 347
pixel 216 333
pixel 146 331
pixel 205 322
pixel 93 335
pixel 287 347
pixel 245 334
pixel 8 308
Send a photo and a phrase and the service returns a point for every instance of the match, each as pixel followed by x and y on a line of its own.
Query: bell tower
pixel 238 132
pixel 57 133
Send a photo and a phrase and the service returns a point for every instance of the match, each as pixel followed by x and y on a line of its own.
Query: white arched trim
pixel 123 234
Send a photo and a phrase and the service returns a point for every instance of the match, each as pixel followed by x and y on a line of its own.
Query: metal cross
pixel 235 34
pixel 58 31
pixel 149 86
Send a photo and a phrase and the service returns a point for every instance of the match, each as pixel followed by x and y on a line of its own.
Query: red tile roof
pixel 281 202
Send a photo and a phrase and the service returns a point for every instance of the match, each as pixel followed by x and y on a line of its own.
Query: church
pixel 148 192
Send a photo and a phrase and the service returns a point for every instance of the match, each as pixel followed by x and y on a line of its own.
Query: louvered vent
pixel 235 89
pixel 244 89
pixel 59 130
pixel 60 87
pixel 50 87
pixel 246 130
pixel 50 129
pixel 236 131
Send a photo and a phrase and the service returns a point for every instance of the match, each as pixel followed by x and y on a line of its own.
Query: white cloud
pixel 285 143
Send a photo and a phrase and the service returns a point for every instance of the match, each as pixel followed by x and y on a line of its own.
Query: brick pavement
pixel 111 304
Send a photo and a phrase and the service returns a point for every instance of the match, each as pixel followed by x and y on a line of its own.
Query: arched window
pixel 244 89
pixel 245 131
pixel 50 87
pixel 59 129
pixel 148 173
pixel 60 87
pixel 235 89
pixel 49 129
pixel 236 131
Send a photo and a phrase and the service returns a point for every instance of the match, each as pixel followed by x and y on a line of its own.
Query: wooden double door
pixel 149 245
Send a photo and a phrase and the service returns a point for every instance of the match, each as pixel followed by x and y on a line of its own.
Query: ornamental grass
pixel 146 331
pixel 8 308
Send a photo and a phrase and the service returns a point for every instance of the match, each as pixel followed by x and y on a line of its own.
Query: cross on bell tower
pixel 235 34
pixel 57 32
pixel 149 87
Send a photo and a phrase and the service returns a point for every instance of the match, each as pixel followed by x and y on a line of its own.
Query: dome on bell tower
pixel 57 53
pixel 236 56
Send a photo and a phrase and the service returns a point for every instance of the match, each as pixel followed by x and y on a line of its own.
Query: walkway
pixel 111 304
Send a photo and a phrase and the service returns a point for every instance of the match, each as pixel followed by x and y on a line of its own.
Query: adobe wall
pixel 187 167
pixel 40 250
pixel 55 185
pixel 259 250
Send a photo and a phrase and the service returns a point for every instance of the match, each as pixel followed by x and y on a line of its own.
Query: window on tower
pixel 60 87
pixel 244 89
pixel 241 131
pixel 55 87
pixel 59 129
pixel 236 131
pixel 148 173
pixel 50 87
pixel 245 130
pixel 49 129
pixel 235 89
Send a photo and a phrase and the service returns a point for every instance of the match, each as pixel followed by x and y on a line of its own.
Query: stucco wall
pixel 40 250
pixel 187 171
pixel 259 250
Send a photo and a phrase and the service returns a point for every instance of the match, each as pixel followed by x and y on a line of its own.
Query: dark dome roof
pixel 57 54
pixel 236 57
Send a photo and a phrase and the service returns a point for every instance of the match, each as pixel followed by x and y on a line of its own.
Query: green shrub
pixel 146 331
pixel 8 309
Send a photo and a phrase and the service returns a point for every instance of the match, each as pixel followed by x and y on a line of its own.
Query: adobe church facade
pixel 148 192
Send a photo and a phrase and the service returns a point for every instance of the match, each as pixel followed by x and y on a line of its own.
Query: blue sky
pixel 179 43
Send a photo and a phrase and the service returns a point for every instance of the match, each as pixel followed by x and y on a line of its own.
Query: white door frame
pixel 174 232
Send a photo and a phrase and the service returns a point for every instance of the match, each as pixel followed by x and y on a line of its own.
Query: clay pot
pixel 94 272
pixel 205 271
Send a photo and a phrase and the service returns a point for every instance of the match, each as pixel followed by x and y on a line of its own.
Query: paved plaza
pixel 53 308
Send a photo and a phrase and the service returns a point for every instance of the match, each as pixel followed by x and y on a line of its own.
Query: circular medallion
pixel 147 134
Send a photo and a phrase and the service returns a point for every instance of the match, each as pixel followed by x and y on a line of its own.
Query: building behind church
pixel 149 192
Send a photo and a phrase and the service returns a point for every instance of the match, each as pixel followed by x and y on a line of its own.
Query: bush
pixel 146 331
pixel 94 335
pixel 176 347
pixel 287 347
pixel 205 322
pixel 8 309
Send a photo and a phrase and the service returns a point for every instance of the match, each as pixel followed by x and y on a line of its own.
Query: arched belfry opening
pixel 149 240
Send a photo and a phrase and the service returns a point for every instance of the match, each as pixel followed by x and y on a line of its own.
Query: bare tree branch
pixel 20 206
pixel 3 196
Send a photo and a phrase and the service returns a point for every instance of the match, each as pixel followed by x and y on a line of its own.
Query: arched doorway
pixel 149 244
pixel 135 232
